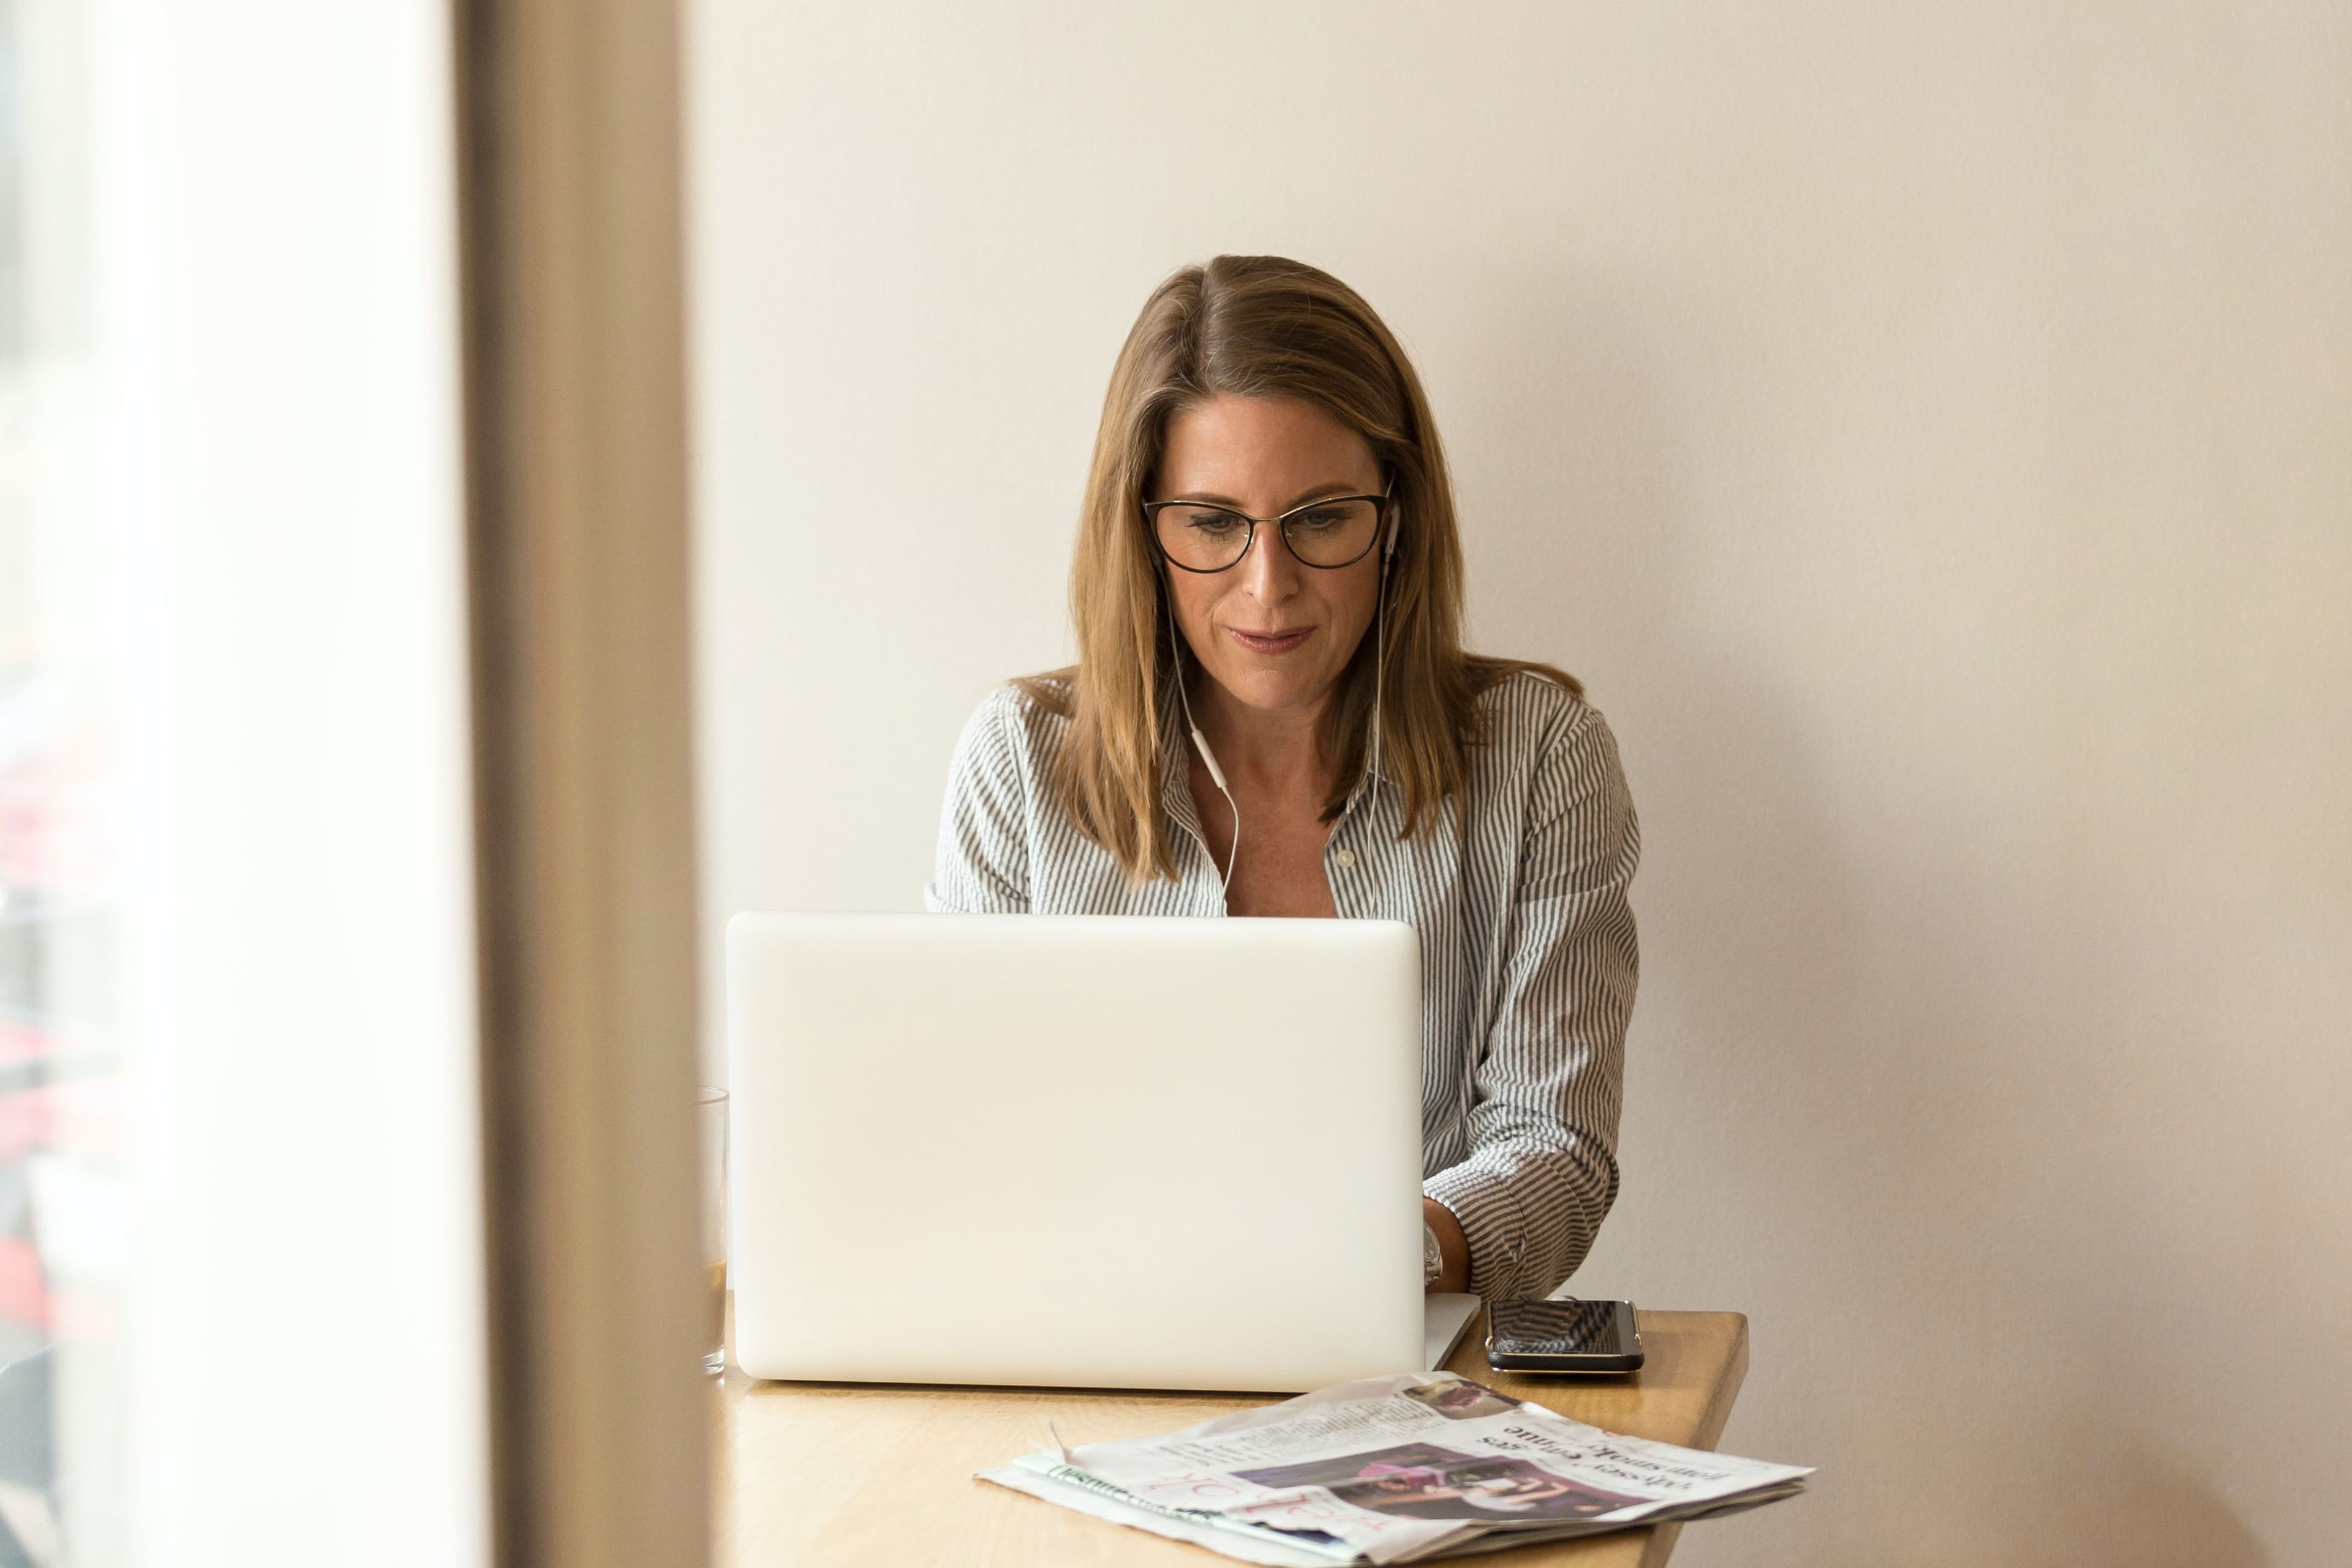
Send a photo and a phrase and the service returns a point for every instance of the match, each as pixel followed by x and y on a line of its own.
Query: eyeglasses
pixel 1338 530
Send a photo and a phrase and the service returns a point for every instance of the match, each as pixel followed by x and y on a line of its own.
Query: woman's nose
pixel 1269 571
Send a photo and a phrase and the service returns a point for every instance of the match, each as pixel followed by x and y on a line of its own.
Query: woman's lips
pixel 1270 642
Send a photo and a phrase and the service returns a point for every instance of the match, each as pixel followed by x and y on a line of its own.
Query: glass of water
pixel 710 1122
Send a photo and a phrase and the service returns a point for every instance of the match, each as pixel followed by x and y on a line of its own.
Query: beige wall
pixel 1928 433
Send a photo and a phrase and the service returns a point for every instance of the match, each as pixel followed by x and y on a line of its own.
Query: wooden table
pixel 827 1473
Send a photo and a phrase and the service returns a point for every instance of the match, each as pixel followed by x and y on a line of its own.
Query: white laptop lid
pixel 1078 1152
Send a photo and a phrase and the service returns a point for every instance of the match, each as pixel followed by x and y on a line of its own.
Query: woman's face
pixel 1273 633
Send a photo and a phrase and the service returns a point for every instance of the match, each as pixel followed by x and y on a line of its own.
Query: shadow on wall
pixel 2137 1502
pixel 1842 1011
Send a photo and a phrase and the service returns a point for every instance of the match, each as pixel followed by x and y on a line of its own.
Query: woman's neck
pixel 1266 752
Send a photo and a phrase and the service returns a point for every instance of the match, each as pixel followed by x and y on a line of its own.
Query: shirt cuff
pixel 1492 1223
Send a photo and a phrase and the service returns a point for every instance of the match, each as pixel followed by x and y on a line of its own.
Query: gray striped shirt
pixel 1527 954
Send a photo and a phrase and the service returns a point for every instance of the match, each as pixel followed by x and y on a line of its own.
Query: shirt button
pixel 1345 859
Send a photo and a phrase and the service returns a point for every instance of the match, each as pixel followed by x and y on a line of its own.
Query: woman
pixel 1272 714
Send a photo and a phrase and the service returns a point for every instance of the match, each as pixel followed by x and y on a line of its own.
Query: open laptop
pixel 1107 1152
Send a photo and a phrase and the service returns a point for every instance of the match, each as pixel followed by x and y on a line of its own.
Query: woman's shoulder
pixel 1546 743
pixel 1532 709
pixel 1027 716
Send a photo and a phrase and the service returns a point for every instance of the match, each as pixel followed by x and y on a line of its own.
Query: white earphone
pixel 1199 742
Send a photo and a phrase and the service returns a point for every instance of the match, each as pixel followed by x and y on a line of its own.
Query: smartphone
pixel 1564 1336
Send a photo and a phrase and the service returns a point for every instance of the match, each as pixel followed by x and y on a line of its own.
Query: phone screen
pixel 1558 1328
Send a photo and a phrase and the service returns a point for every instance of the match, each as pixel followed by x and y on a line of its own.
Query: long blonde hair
pixel 1261 326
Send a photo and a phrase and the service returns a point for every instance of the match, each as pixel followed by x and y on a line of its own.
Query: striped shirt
pixel 1527 953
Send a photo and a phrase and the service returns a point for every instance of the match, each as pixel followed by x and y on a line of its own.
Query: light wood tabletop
pixel 856 1474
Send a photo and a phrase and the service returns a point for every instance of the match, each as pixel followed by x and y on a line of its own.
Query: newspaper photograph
pixel 1391 1469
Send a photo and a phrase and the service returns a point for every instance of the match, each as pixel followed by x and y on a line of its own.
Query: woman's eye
pixel 1212 521
pixel 1320 519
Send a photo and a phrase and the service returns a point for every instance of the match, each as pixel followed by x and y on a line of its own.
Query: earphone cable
pixel 1208 758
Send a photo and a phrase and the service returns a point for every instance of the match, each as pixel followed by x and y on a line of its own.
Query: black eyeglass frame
pixel 1152 509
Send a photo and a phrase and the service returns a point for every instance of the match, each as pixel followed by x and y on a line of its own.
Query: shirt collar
pixel 1175 770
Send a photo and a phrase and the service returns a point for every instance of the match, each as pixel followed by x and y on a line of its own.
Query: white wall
pixel 1925 429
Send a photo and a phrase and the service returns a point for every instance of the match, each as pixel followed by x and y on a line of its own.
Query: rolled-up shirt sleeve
pixel 1549 1080
pixel 982 865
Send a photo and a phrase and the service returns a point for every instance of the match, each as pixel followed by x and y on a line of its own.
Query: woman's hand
pixel 1452 1247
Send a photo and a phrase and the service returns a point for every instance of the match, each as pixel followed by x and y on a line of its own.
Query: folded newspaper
pixel 1391 1469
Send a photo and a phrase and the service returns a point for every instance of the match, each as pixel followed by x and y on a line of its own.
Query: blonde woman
pixel 1272 714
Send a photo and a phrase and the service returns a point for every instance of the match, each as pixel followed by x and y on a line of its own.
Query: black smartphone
pixel 1564 1336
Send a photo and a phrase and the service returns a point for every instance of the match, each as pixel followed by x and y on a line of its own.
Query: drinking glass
pixel 711 1123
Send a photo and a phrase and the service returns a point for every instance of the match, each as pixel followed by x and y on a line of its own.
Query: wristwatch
pixel 1433 1257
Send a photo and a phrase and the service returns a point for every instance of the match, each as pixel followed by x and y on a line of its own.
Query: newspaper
pixel 1391 1469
